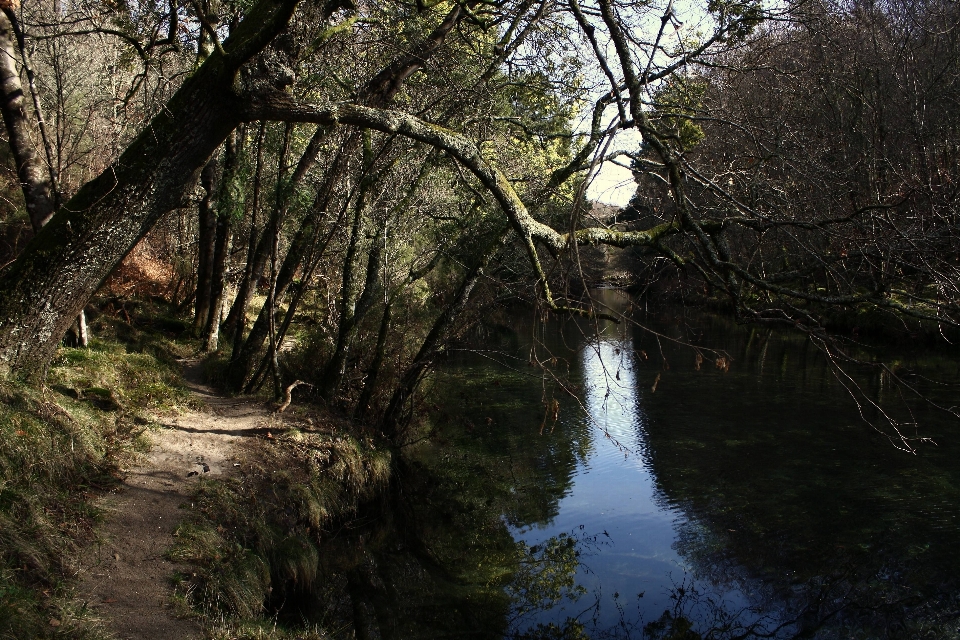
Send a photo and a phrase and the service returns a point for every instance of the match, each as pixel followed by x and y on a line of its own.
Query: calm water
pixel 668 498
pixel 753 497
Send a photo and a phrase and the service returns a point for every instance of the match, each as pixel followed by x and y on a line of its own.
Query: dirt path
pixel 126 577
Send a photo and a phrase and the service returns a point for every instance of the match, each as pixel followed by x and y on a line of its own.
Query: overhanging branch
pixel 281 107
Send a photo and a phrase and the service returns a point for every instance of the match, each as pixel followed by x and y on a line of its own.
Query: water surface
pixel 703 497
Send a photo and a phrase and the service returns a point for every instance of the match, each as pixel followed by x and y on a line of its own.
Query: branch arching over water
pixel 282 107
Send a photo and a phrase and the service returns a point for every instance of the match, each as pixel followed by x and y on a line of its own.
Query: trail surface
pixel 124 576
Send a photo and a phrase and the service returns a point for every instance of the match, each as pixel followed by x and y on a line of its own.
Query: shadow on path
pixel 124 575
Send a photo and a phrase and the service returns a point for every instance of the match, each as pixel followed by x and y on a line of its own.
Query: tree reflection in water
pixel 770 511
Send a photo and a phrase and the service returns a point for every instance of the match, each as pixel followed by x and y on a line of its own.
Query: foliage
pixel 675 102
pixel 546 575
pixel 419 166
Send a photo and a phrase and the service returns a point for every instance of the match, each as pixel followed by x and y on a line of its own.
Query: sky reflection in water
pixel 762 486
pixel 614 499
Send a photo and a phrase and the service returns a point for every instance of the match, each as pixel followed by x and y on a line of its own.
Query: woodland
pixel 369 166
pixel 326 194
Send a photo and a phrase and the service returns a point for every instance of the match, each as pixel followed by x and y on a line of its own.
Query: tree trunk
pixel 43 291
pixel 350 292
pixel 83 339
pixel 379 355
pixel 379 91
pixel 356 305
pixel 224 240
pixel 245 361
pixel 34 178
pixel 243 365
pixel 37 109
pixel 237 319
pixel 39 184
pixel 206 244
pixel 271 307
pixel 258 251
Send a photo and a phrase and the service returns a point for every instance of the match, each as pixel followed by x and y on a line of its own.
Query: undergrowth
pixel 61 446
pixel 254 540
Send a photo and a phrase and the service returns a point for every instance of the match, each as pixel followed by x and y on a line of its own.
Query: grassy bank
pixel 253 541
pixel 61 447
pixel 256 540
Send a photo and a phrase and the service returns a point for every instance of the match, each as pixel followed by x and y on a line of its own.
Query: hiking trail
pixel 124 575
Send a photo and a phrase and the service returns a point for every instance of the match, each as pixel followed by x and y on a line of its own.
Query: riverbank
pixel 137 502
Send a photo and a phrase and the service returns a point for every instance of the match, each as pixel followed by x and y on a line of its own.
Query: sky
pixel 612 185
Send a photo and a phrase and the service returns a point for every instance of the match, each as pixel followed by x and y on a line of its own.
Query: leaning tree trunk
pixel 350 292
pixel 38 183
pixel 244 361
pixel 37 188
pixel 60 269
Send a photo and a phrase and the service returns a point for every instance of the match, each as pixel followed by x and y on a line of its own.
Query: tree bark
pixel 224 240
pixel 206 243
pixel 350 290
pixel 243 364
pixel 46 287
pixel 379 355
pixel 34 178
pixel 356 304
pixel 237 319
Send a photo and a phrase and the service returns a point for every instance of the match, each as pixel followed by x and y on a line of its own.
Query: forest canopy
pixel 379 174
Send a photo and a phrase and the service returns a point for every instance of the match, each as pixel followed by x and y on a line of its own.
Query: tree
pixel 68 259
pixel 484 85
pixel 39 193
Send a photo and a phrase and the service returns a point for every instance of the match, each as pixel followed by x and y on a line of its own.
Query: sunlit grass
pixel 60 446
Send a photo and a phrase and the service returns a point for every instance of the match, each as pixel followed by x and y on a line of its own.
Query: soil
pixel 124 576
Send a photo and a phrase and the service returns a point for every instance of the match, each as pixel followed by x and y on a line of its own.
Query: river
pixel 676 476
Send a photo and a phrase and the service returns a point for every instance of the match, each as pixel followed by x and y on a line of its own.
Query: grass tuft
pixel 255 540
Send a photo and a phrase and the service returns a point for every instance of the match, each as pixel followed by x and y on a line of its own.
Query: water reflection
pixel 611 394
pixel 752 500
pixel 635 573
pixel 671 500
